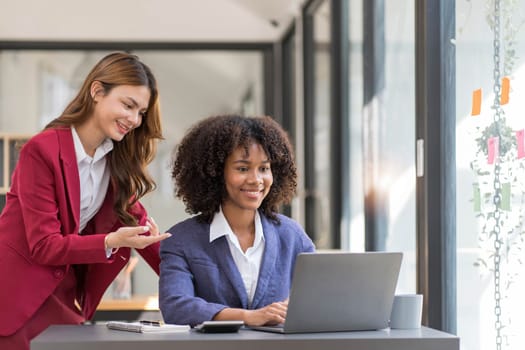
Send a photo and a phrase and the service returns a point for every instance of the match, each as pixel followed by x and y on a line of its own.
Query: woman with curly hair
pixel 234 260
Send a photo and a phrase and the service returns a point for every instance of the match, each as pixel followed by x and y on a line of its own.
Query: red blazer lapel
pixel 70 169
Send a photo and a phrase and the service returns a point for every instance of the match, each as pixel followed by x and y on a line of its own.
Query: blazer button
pixel 58 274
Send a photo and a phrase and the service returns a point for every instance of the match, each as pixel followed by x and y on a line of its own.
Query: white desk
pixel 100 338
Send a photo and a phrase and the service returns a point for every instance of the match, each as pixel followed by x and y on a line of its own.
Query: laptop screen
pixel 342 291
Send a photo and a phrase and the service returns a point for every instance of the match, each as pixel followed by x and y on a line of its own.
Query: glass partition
pixel 398 174
pixel 354 240
pixel 490 85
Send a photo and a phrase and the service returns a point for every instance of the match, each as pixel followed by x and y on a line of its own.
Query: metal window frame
pixel 339 107
pixel 340 120
pixel 436 189
pixel 266 49
pixel 309 107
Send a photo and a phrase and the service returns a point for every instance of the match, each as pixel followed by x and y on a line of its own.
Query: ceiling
pixel 147 20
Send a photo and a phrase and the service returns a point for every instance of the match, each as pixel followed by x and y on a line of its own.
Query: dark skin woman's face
pixel 247 177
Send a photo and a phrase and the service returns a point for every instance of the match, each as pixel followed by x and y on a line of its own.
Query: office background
pixel 356 83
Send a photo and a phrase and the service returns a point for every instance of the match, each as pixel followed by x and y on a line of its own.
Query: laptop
pixel 340 292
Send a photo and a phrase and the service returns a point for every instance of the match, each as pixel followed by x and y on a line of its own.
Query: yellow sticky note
pixel 476 102
pixel 505 90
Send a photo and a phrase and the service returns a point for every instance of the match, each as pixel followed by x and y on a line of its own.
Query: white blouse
pixel 94 178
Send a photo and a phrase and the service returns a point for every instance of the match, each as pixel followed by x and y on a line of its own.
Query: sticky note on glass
pixel 505 90
pixel 476 198
pixel 520 142
pixel 476 102
pixel 492 149
pixel 505 196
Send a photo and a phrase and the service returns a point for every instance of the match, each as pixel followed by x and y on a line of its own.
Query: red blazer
pixel 39 238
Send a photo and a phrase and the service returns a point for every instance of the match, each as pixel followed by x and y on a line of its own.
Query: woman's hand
pixel 133 236
pixel 272 314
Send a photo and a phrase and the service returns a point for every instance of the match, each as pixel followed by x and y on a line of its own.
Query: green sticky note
pixel 477 198
pixel 505 196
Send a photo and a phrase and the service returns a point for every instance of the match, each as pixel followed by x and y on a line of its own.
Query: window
pixel 477 290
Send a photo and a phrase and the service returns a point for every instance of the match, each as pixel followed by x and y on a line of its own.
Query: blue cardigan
pixel 198 278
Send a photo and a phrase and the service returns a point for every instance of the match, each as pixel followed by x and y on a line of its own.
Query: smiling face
pixel 121 110
pixel 247 177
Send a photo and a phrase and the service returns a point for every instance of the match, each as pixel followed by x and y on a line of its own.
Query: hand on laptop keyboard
pixel 270 315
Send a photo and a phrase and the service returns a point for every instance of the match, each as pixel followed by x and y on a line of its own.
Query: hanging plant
pixel 507 138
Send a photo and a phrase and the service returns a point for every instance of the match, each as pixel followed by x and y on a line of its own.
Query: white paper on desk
pixel 138 327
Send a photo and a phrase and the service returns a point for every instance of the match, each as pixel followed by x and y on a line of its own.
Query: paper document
pixel 144 328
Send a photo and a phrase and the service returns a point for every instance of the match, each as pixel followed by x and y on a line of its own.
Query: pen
pixel 151 323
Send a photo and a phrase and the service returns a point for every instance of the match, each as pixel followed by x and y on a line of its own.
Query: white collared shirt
pixel 94 178
pixel 248 263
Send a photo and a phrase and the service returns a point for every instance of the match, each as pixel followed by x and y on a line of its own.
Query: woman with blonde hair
pixel 73 211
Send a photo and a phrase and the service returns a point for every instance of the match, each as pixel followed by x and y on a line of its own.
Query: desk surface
pixel 101 338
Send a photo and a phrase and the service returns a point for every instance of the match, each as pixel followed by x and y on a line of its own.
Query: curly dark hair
pixel 198 164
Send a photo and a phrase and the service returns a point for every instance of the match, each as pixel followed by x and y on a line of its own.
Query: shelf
pixel 143 303
pixel 138 307
pixel 10 145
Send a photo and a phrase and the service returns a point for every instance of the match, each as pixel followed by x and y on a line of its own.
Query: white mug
pixel 406 311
